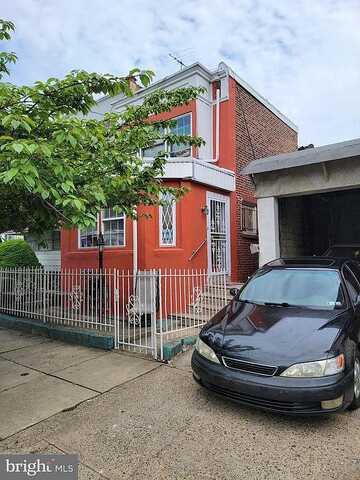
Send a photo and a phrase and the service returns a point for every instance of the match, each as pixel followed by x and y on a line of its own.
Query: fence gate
pixel 136 299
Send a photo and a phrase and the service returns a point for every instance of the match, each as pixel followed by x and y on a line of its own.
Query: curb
pixel 65 334
pixel 171 349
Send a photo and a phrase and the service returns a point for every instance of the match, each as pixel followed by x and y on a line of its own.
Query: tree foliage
pixel 59 166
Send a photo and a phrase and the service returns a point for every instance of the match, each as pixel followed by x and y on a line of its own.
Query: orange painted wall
pixel 191 230
pixel 114 257
pixel 227 159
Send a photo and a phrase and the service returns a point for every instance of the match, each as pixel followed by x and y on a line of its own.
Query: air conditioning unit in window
pixel 254 248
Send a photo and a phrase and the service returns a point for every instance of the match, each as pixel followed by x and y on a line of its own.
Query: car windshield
pixel 311 288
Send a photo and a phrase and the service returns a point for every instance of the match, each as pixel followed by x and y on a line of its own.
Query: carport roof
pixel 309 156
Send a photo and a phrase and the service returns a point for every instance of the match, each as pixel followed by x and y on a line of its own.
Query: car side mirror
pixel 234 291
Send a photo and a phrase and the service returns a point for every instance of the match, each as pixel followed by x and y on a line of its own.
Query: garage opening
pixel 309 224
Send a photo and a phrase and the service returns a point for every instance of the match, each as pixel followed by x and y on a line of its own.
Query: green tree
pixel 59 166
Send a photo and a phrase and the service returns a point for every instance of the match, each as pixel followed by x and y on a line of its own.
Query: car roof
pixel 308 262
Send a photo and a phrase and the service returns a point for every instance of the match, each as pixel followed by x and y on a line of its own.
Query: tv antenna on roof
pixel 177 60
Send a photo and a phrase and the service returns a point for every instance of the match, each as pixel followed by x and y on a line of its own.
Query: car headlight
pixel 321 368
pixel 205 351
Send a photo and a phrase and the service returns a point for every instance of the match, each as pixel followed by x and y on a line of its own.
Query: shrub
pixel 17 253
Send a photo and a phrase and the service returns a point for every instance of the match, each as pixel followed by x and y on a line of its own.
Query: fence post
pixel 153 277
pixel 116 308
pixel 161 319
pixel 44 285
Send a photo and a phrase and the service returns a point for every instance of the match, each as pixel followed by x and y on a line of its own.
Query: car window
pixel 307 287
pixel 351 283
pixel 355 268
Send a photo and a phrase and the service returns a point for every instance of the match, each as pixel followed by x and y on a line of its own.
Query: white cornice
pixel 258 97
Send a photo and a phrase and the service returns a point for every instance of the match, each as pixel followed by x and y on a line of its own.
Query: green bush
pixel 17 253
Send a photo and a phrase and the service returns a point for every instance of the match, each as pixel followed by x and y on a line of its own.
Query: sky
pixel 302 55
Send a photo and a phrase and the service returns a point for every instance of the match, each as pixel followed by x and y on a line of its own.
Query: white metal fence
pixel 142 311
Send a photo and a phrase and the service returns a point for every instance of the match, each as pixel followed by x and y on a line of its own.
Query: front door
pixel 218 233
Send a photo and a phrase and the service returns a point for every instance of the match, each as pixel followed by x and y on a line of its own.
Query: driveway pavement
pixel 161 425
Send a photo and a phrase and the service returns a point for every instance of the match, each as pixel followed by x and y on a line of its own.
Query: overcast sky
pixel 303 55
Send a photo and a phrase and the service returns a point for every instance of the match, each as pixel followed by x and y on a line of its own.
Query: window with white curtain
pixel 167 218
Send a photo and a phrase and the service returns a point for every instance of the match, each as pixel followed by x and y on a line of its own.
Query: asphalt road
pixel 161 425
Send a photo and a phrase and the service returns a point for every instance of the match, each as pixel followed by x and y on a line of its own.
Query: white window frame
pixel 167 147
pixel 118 216
pixel 161 243
pixel 80 247
pixel 191 130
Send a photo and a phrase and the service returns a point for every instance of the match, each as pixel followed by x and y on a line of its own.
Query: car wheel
pixel 356 400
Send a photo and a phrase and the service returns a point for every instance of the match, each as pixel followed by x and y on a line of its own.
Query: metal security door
pixel 218 233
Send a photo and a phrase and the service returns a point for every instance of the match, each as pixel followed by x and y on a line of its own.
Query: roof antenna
pixel 178 60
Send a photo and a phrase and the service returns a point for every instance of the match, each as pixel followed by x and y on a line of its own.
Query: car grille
pixel 275 405
pixel 249 367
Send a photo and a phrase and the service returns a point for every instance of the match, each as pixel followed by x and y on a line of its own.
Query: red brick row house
pixel 214 224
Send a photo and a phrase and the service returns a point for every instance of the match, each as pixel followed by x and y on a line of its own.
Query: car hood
pixel 274 335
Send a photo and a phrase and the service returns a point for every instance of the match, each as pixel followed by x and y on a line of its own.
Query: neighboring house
pixel 47 249
pixel 308 200
pixel 214 224
pixel 10 236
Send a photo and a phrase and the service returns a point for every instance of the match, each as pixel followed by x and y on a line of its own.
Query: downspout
pixel 135 249
pixel 217 129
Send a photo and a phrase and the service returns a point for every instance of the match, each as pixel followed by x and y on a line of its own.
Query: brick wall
pixel 269 136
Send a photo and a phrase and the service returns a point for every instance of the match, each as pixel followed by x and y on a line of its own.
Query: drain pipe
pixel 135 249
pixel 217 129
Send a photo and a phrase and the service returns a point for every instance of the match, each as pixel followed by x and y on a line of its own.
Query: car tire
pixel 356 399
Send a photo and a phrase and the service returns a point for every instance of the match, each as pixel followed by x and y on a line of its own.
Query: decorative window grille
pixel 167 219
pixel 113 228
pixel 182 127
pixel 249 219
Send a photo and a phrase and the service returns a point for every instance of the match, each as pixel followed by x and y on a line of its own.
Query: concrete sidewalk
pixel 41 377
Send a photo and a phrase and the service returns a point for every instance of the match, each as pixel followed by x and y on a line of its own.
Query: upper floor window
pixel 113 229
pixel 249 219
pixel 182 127
pixel 168 220
pixel 159 146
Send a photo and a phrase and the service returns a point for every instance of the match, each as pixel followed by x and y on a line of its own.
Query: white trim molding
pixel 173 219
pixel 200 171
